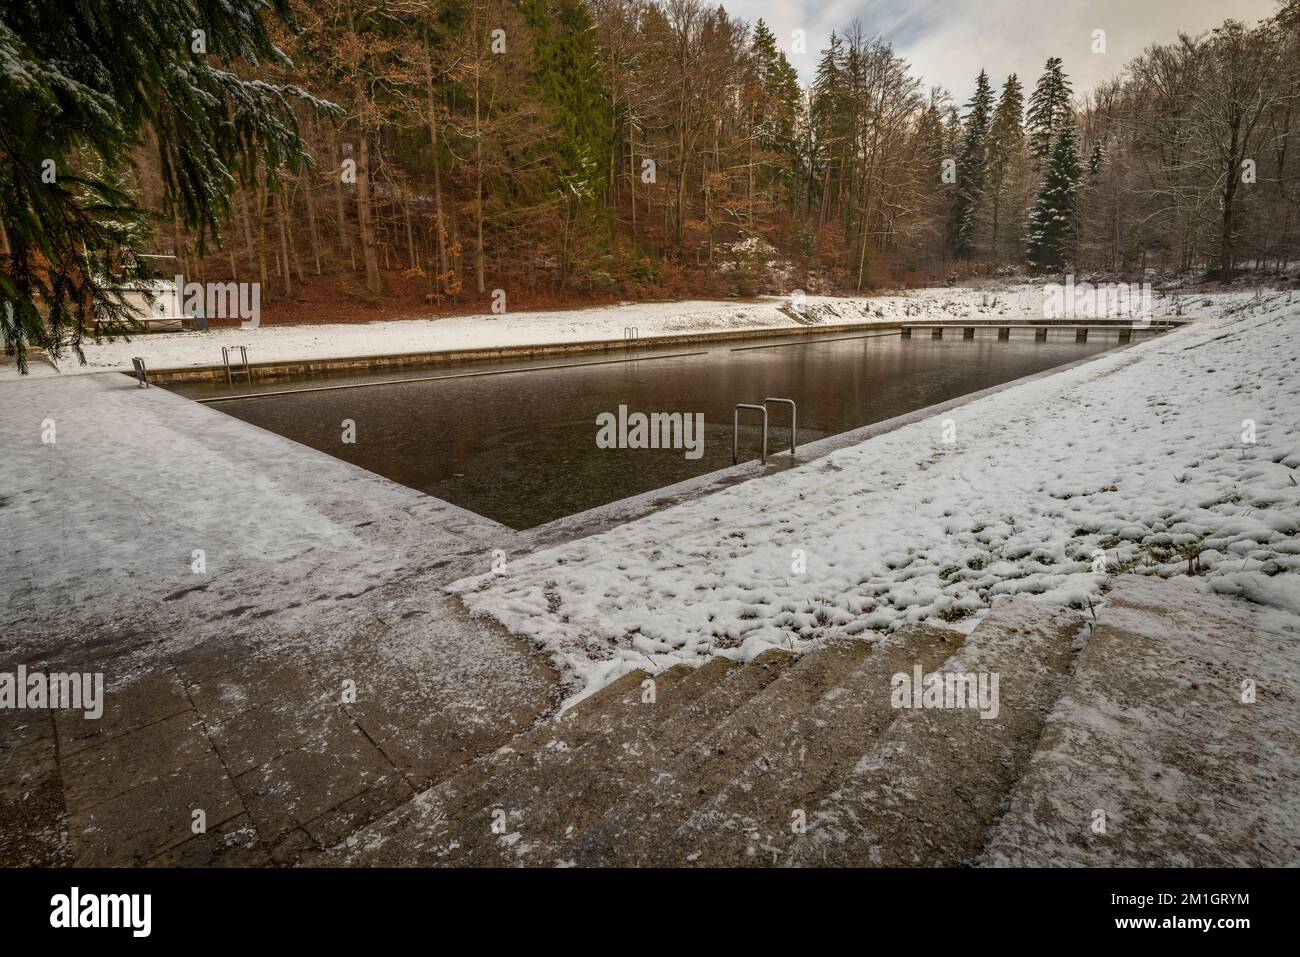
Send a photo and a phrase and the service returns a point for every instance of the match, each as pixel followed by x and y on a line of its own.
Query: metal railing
pixel 735 429
pixel 243 358
pixel 794 424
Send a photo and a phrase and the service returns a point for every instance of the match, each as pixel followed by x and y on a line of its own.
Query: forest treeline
pixel 619 148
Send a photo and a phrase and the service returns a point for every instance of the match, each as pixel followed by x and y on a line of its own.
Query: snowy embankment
pixel 271 343
pixel 1140 461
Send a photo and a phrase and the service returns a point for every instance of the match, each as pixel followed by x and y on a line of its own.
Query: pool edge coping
pixel 288 368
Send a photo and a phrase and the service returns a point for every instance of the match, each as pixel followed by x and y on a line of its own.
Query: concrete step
pixel 588 800
pixel 531 809
pixel 935 782
pixel 414 833
pixel 750 818
pixel 631 832
pixel 1151 758
pixel 741 683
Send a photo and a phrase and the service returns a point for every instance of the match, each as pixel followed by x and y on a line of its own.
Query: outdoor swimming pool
pixel 516 441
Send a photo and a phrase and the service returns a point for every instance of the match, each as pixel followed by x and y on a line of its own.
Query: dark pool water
pixel 519 444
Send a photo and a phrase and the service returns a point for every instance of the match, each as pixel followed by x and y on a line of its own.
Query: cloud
pixel 949 41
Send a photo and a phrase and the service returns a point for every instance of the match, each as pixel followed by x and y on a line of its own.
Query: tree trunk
pixel 439 226
pixel 248 232
pixel 284 247
pixel 261 240
pixel 312 226
pixel 365 217
pixel 480 284
pixel 631 156
pixel 341 218
pixel 1227 239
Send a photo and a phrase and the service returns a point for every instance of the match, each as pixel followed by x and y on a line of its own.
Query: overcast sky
pixel 948 41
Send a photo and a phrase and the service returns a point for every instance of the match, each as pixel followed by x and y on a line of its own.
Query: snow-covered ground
pixel 1180 453
pixel 270 343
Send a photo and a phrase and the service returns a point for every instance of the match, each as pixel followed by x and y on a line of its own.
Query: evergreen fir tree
pixel 826 113
pixel 79 86
pixel 779 85
pixel 1052 222
pixel 1050 110
pixel 951 130
pixel 1006 130
pixel 1096 158
pixel 1003 160
pixel 568 75
pixel 970 165
pixel 929 146
pixel 828 84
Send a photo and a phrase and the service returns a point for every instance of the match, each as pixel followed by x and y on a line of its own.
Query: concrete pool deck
pixel 309 677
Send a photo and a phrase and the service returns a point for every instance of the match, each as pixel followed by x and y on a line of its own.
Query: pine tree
pixel 779 91
pixel 929 144
pixel 568 76
pixel 1003 158
pixel 826 116
pixel 80 86
pixel 970 165
pixel 567 72
pixel 1052 222
pixel 1050 110
pixel 827 82
pixel 1095 159
pixel 932 204
pixel 780 80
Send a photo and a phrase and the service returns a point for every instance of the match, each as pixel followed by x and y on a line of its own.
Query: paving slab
pixel 226 581
pixel 232 843
pixel 123 762
pixel 33 817
pixel 131 702
pixel 301 785
pixel 154 817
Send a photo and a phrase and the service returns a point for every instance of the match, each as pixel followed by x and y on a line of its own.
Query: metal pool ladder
pixel 794 429
pixel 735 426
pixel 243 358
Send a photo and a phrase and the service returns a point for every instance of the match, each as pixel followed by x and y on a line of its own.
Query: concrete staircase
pixel 820 761
pixel 784 760
pixel 1175 744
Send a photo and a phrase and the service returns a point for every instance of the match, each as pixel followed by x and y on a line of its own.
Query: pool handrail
pixel 735 429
